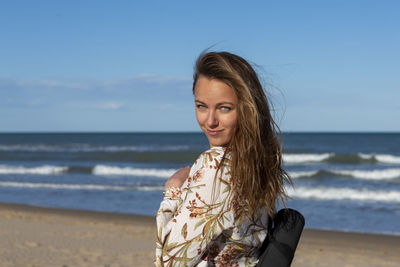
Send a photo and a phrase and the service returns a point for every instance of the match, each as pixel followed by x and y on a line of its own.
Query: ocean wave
pixel 326 193
pixel 79 186
pixel 381 174
pixel 302 174
pixel 76 148
pixel 101 170
pixel 385 174
pixel 114 170
pixel 302 192
pixel 341 158
pixel 304 158
pixel 43 170
pixel 384 158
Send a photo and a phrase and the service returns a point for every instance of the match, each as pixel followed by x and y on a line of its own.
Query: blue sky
pixel 127 66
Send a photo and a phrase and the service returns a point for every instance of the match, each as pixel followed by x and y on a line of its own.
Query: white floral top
pixel 197 228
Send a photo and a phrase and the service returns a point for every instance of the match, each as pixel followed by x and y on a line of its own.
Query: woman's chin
pixel 216 142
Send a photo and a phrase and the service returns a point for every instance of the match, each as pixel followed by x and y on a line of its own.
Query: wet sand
pixel 34 236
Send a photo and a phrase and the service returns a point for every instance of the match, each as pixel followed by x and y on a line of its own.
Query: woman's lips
pixel 213 132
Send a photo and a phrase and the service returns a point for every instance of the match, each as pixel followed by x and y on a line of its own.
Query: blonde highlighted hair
pixel 256 154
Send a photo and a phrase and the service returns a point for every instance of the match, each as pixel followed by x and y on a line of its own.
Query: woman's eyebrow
pixel 199 102
pixel 224 103
pixel 218 104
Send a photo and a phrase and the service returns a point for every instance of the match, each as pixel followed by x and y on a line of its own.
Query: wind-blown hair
pixel 256 154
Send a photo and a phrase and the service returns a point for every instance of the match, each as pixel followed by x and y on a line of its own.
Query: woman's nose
pixel 212 120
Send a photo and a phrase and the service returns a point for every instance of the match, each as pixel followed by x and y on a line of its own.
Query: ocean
pixel 342 181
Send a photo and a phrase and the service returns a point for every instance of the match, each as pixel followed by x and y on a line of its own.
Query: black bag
pixel 279 246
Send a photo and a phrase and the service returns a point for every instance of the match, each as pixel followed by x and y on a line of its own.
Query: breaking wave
pixel 381 174
pixel 384 158
pixel 114 170
pixel 109 170
pixel 43 170
pixel 327 193
pixel 302 174
pixel 340 158
pixel 385 174
pixel 303 192
pixel 304 158
pixel 79 186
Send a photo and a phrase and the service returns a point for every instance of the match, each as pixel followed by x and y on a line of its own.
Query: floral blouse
pixel 201 224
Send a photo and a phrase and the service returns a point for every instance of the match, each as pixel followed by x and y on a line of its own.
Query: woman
pixel 215 213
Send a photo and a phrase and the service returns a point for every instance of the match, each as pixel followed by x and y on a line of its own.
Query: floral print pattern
pixel 203 224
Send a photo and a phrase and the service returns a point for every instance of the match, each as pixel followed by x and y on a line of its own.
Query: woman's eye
pixel 223 108
pixel 200 106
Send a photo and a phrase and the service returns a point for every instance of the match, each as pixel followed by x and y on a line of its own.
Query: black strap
pixel 267 239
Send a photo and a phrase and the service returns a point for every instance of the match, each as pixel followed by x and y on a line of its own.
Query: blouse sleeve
pixel 186 226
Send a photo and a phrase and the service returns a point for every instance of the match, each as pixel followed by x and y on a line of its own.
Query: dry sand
pixel 32 236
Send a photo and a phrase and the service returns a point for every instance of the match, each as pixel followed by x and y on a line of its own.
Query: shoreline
pixel 82 214
pixel 41 236
pixel 128 217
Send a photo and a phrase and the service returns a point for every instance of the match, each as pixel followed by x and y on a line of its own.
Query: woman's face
pixel 216 110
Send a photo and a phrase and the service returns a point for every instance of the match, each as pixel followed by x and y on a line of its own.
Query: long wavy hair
pixel 255 152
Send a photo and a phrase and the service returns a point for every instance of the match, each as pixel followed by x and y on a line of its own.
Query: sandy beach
pixel 34 236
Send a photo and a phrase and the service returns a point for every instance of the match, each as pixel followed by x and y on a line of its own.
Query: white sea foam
pixel 385 174
pixel 43 170
pixel 303 158
pixel 299 174
pixel 26 148
pixel 388 159
pixel 326 193
pixel 79 186
pixel 384 158
pixel 149 188
pixel 365 156
pixel 114 170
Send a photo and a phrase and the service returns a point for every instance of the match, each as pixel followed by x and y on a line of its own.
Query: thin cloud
pixel 107 94
pixel 95 105
pixel 110 106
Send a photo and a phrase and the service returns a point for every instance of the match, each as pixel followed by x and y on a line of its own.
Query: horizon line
pixel 188 132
